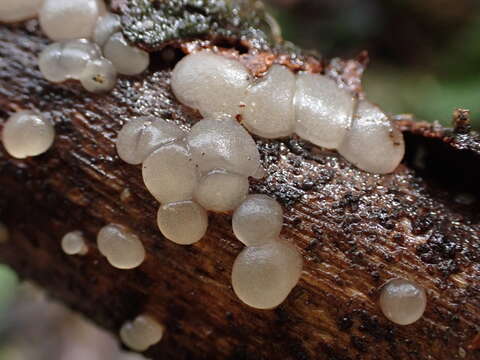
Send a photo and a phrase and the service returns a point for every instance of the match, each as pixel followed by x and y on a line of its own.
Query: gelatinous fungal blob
pixel 221 191
pixel 70 19
pixel 141 333
pixel 258 220
pixel 27 133
pixel 373 143
pixel 73 243
pixel 3 233
pixel 123 249
pixel 127 59
pixel 183 222
pixel 170 174
pixel 268 109
pixel 19 10
pixel 211 83
pixel 68 59
pixel 106 26
pixel 141 136
pixel 99 76
pixel 263 276
pixel 223 144
pixel 402 301
pixel 323 111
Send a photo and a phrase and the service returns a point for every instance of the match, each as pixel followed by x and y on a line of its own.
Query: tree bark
pixel 355 230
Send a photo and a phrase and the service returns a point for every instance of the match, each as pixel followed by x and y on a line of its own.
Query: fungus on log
pixel 355 230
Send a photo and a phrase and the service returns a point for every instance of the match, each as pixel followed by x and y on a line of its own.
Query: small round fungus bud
pixel 122 249
pixel 49 63
pixel 403 301
pixel 127 59
pixel 170 174
pixel 106 26
pixel 143 332
pixel 75 56
pixel 27 134
pixel 221 191
pixel 73 243
pixel 210 83
pixel 269 110
pixel 223 144
pixel 143 135
pixel 3 233
pixel 258 220
pixel 183 222
pixel 18 10
pixel 99 76
pixel 263 276
pixel 323 111
pixel 373 144
pixel 70 19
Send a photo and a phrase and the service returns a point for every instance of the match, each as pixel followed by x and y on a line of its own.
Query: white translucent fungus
pixel 127 59
pixel 373 144
pixel 106 26
pixel 141 333
pixel 221 191
pixel 323 111
pixel 122 249
pixel 223 144
pixel 67 60
pixel 26 134
pixel 3 233
pixel 268 109
pixel 263 276
pixel 183 222
pixel 258 220
pixel 18 10
pixel 73 243
pixel 143 135
pixel 99 76
pixel 69 19
pixel 403 301
pixel 170 174
pixel 210 83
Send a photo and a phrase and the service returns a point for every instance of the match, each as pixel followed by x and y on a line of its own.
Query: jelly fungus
pixel 141 333
pixel 73 243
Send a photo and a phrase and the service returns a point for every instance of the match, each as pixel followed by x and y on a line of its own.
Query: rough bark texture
pixel 355 230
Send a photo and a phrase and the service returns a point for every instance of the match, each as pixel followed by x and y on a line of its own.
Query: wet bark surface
pixel 355 230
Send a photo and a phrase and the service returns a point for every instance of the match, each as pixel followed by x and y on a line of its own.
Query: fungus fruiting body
pixel 221 191
pixel 258 220
pixel 27 133
pixel 19 10
pixel 170 174
pixel 141 136
pixel 323 111
pixel 99 75
pixel 183 222
pixel 106 26
pixel 210 83
pixel 3 233
pixel 123 249
pixel 263 276
pixel 223 144
pixel 73 243
pixel 268 109
pixel 402 301
pixel 70 19
pixel 373 143
pixel 127 59
pixel 141 333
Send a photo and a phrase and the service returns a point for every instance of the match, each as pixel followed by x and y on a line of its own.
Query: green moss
pixel 154 22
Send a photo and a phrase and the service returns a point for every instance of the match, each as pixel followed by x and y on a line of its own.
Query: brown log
pixel 355 230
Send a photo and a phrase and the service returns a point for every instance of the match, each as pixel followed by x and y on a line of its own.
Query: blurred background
pixel 425 54
pixel 425 60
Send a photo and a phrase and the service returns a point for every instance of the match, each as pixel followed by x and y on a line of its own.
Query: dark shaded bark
pixel 355 230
